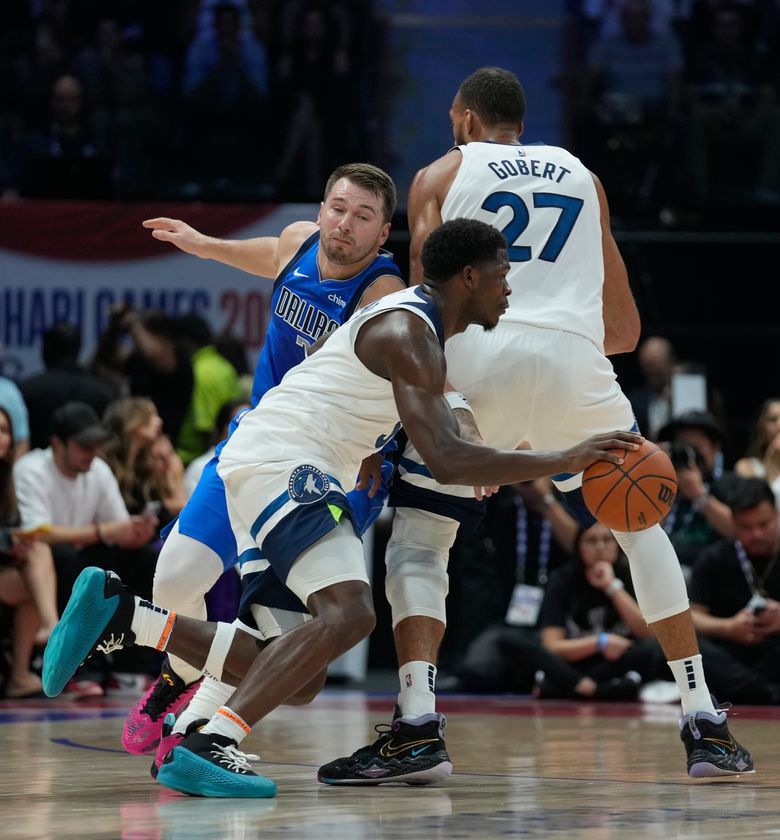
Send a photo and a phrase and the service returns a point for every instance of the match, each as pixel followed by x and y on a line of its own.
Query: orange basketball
pixel 633 495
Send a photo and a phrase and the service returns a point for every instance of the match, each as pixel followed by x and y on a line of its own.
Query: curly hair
pixel 456 244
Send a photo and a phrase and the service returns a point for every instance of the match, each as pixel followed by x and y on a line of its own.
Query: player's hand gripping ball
pixel 633 495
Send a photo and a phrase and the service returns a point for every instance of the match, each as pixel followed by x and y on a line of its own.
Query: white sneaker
pixel 659 691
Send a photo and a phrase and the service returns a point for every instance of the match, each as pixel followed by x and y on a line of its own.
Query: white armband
pixel 457 400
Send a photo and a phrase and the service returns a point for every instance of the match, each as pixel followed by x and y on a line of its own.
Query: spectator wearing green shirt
pixel 215 382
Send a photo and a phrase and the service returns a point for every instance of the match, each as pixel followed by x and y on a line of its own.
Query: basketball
pixel 633 495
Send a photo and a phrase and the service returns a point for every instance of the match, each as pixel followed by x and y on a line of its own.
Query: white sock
pixel 694 694
pixel 227 722
pixel 188 673
pixel 208 698
pixel 418 686
pixel 151 624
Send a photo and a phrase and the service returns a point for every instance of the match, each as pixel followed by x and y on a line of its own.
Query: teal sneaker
pixel 97 617
pixel 212 765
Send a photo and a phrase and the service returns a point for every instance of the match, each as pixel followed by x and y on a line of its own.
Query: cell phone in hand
pixel 152 508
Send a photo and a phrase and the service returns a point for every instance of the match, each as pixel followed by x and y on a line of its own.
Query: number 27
pixel 568 205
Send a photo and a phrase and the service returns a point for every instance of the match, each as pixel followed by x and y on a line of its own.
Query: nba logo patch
pixel 307 484
pixel 408 680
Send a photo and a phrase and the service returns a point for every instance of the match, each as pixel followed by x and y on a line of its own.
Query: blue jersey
pixel 305 306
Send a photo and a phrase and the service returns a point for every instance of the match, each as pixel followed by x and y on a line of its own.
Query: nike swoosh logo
pixel 299 273
pixel 389 751
pixel 722 745
pixel 415 753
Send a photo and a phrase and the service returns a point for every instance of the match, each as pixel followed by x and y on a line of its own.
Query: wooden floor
pixel 522 769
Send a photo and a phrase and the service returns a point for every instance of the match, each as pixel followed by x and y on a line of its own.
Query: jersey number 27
pixel 568 205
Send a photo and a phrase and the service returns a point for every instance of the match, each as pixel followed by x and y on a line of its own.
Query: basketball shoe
pixel 410 751
pixel 97 617
pixel 167 694
pixel 711 748
pixel 170 739
pixel 204 764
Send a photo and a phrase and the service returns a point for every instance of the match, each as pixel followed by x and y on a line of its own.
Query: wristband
pixel 615 586
pixel 602 643
pixel 456 400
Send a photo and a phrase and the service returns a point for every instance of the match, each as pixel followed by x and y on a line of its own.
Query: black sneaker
pixel 212 765
pixel 97 617
pixel 712 749
pixel 407 751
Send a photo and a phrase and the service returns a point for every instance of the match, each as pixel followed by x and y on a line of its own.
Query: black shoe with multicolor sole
pixel 409 751
pixel 712 750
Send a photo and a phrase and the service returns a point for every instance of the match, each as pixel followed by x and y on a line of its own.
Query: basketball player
pixel 542 376
pixel 324 272
pixel 286 497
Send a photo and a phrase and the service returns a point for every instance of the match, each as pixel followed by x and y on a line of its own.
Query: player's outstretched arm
pixel 400 347
pixel 263 256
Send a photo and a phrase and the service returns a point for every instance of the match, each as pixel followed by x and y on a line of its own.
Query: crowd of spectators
pixel 233 99
pixel 677 105
pixel 674 104
pixel 96 471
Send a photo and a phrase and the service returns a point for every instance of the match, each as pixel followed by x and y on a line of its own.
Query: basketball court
pixel 522 769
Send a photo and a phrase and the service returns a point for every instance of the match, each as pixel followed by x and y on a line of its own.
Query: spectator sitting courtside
pixel 735 599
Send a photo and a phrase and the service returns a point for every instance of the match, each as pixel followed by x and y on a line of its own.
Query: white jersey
pixel 329 411
pixel 538 194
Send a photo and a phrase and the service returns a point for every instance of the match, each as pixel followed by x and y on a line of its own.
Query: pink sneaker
pixel 170 739
pixel 143 727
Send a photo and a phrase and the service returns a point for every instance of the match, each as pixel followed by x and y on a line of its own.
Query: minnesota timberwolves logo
pixel 307 484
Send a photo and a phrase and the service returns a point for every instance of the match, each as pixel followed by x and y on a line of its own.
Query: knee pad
pixel 658 579
pixel 416 580
pixel 186 570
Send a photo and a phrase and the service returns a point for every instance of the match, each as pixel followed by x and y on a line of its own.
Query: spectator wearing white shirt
pixel 69 497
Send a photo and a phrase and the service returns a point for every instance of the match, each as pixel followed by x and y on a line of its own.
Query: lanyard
pixel 521 544
pixel 749 572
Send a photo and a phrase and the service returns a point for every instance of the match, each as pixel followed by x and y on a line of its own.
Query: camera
pixel 683 455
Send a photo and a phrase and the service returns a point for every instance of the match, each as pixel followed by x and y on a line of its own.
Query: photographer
pixel 156 364
pixel 699 516
pixel 735 600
